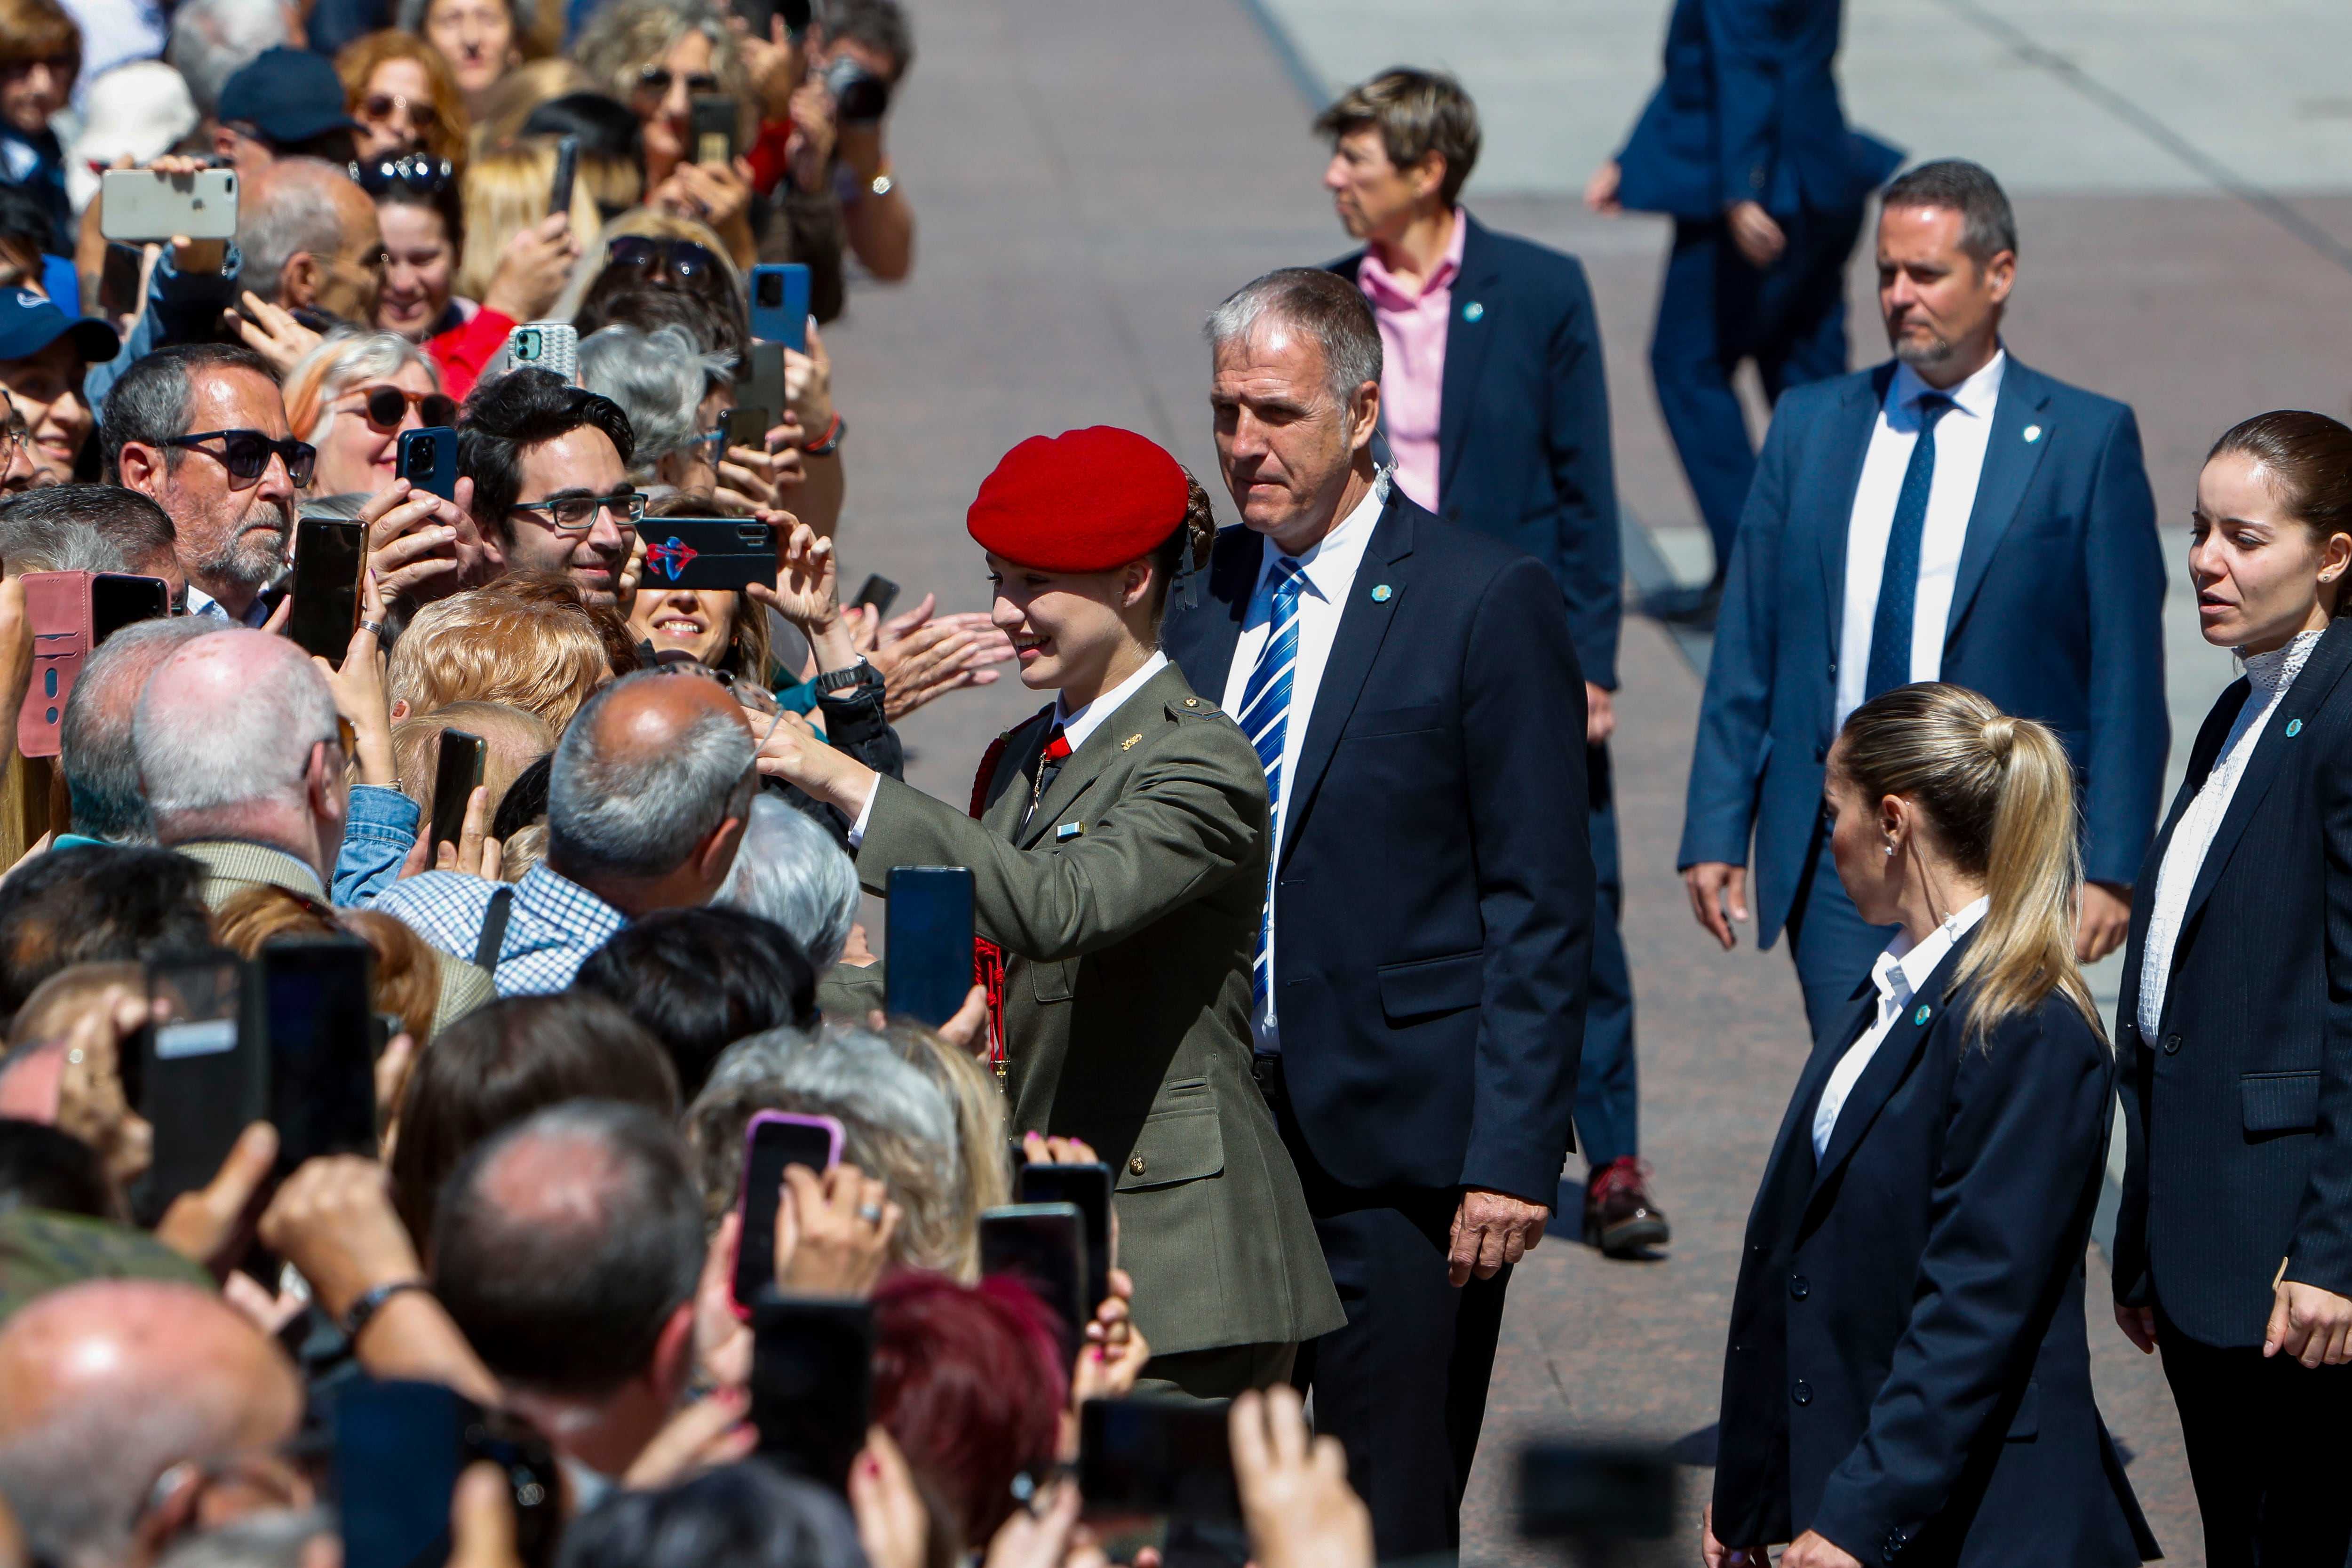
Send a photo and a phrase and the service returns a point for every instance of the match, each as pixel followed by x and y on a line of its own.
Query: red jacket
pixel 466 348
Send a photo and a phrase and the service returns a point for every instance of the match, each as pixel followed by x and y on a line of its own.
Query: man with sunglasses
pixel 550 464
pixel 200 429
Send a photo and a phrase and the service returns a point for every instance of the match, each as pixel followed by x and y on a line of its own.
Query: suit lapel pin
pixel 1130 742
pixel 2032 433
pixel 2295 726
pixel 1923 1015
pixel 1473 310
pixel 1383 593
pixel 1068 831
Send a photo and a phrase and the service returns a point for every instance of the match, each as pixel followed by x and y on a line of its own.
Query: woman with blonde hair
pixel 515 257
pixel 1908 1373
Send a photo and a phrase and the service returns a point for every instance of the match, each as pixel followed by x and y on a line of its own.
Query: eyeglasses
pixel 415 171
pixel 577 514
pixel 246 453
pixel 656 81
pixel 386 407
pixel 685 258
pixel 383 105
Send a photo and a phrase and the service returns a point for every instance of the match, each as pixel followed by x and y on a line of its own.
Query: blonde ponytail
pixel 2000 796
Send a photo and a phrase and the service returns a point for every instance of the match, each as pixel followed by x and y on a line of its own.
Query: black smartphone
pixel 197 1074
pixel 774 1140
pixel 1146 1459
pixel 745 428
pixel 729 552
pixel 428 460
pixel 455 778
pixel 878 594
pixel 329 557
pixel 928 969
pixel 1592 1494
pixel 317 1018
pixel 1044 1247
pixel 399 1450
pixel 118 598
pixel 812 1383
pixel 117 279
pixel 711 121
pixel 567 166
pixel 1088 1188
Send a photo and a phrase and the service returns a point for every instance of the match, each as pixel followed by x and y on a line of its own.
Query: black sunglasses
pixel 657 80
pixel 415 171
pixel 388 405
pixel 246 453
pixel 685 258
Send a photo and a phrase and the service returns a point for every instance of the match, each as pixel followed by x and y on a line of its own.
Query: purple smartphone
pixel 774 1140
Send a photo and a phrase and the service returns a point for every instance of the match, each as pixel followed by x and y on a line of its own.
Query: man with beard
pixel 200 429
pixel 1950 515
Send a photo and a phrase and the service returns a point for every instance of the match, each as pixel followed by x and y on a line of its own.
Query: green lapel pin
pixel 1923 1015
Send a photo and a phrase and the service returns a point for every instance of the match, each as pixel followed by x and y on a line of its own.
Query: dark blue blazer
pixel 1523 425
pixel 1433 900
pixel 2237 1113
pixel 2056 616
pixel 1748 111
pixel 1909 1371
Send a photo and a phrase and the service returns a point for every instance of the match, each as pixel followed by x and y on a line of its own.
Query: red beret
pixel 1087 500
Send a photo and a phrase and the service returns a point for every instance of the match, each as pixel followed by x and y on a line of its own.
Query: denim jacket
pixel 378 830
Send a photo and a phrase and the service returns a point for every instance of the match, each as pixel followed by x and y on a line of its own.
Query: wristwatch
pixel 857 674
pixel 364 1310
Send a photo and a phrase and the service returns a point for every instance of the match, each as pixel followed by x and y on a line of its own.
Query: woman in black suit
pixel 1909 1378
pixel 2233 1245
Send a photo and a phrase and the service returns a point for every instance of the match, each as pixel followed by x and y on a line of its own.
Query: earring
pixel 1890 846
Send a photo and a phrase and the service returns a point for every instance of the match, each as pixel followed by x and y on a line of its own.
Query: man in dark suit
pixel 1745 146
pixel 1413 692
pixel 1495 405
pixel 1950 516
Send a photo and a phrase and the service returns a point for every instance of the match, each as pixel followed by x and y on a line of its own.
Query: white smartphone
pixel 550 345
pixel 140 205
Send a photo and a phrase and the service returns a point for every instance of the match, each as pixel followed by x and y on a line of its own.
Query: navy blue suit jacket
pixel 2056 616
pixel 1748 111
pixel 1523 425
pixel 1433 900
pixel 1909 1371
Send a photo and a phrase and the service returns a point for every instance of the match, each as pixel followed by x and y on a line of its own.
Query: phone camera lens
pixel 424 450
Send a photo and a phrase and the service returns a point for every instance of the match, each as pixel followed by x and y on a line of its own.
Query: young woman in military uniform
pixel 1117 844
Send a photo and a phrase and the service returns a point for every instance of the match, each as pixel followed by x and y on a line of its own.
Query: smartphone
pixel 727 552
pixel 117 279
pixel 200 1076
pixel 552 346
pixel 329 557
pixel 779 304
pixel 759 379
pixel 1044 1246
pixel 928 970
pixel 136 206
pixel 71 614
pixel 878 594
pixel 710 120
pixel 455 778
pixel 399 1450
pixel 1088 1188
pixel 428 459
pixel 316 1014
pixel 774 1140
pixel 567 166
pixel 1146 1459
pixel 1590 1494
pixel 745 428
pixel 812 1383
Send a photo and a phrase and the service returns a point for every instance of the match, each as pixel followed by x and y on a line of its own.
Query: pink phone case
pixel 827 1124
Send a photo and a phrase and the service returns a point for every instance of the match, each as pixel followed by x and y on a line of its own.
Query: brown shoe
pixel 1619 1217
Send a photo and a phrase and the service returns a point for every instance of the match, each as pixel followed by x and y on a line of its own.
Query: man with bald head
pixel 97 755
pixel 310 240
pixel 645 804
pixel 106 1386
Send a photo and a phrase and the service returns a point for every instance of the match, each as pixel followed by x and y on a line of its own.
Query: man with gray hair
pixel 647 800
pixel 1421 973
pixel 91 527
pixel 98 757
pixel 309 241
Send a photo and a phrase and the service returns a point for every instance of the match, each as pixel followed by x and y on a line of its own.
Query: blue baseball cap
pixel 287 95
pixel 29 323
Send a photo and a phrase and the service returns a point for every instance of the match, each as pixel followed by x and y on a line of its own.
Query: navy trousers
pixel 1716 310
pixel 1608 1124
pixel 1835 947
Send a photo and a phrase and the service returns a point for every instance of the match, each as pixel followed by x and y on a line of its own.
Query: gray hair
pixel 197 759
pixel 793 872
pixel 1323 306
pixel 658 378
pixel 344 508
pixel 212 40
pixel 1987 227
pixel 75 1481
pixel 631 813
pixel 42 531
pixel 897 1125
pixel 345 358
pixel 274 1540
pixel 100 763
pixel 148 402
pixel 292 215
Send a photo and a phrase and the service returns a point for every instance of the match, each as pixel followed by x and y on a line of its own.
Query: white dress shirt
pixel 1328 569
pixel 1899 974
pixel 2270 674
pixel 1960 437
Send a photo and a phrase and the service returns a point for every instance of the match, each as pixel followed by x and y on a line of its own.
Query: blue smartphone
pixel 428 460
pixel 780 305
pixel 927 961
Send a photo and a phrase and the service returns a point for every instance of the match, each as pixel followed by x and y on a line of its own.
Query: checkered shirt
pixel 554 926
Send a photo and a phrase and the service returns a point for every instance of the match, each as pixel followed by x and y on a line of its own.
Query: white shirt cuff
pixel 857 828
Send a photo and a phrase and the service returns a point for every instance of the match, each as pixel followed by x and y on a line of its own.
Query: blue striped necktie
pixel 1898 580
pixel 1266 719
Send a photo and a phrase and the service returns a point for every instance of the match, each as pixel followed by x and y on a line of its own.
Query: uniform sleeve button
pixel 1800 1287
pixel 1802 1393
pixel 1135 1165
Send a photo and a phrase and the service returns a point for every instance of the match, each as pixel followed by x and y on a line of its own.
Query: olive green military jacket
pixel 1127 909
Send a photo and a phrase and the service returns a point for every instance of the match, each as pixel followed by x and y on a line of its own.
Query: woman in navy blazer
pixel 1908 1376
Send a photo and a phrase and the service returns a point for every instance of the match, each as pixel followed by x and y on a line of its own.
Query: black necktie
pixel 1898 581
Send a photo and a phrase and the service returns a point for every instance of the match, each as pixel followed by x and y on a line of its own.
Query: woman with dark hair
pixel 1908 1376
pixel 1119 844
pixel 700 980
pixel 2233 1245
